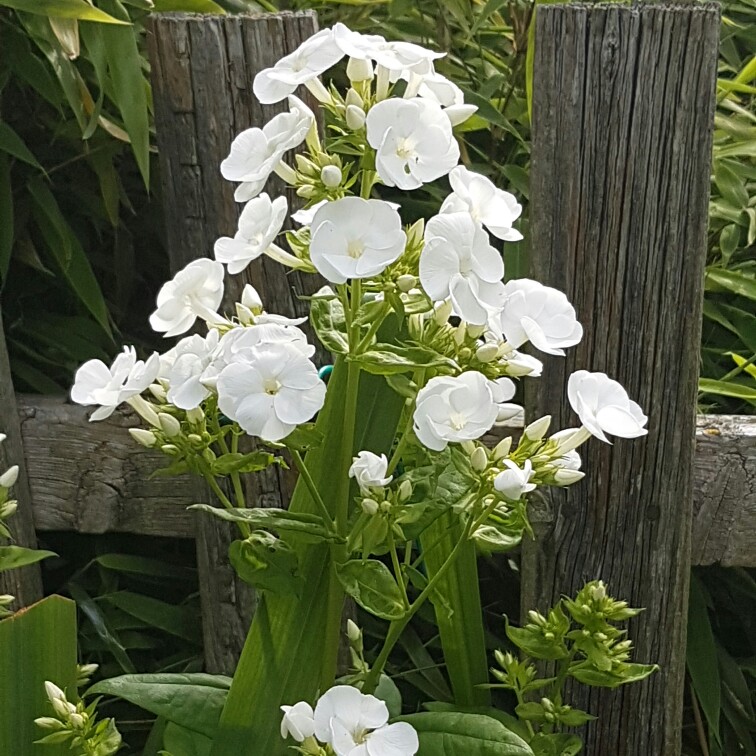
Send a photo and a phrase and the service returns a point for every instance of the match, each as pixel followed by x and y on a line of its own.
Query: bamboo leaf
pixel 726 388
pixel 13 557
pixel 11 143
pixel 174 620
pixel 63 9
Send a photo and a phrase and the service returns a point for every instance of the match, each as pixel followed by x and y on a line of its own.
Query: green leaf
pixel 63 9
pixel 731 280
pixel 386 359
pixel 235 462
pixel 12 144
pixel 371 584
pixel 179 621
pixel 328 322
pixel 267 563
pixel 533 643
pixel 621 675
pixel 701 657
pixel 36 645
pixel 139 565
pixel 303 438
pixel 455 733
pixel 193 701
pixel 180 741
pixel 726 388
pixel 387 692
pixel 187 6
pixel 13 557
pixel 556 744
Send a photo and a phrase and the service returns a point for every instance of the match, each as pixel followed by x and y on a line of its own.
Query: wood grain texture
pixel 622 127
pixel 26 583
pixel 202 73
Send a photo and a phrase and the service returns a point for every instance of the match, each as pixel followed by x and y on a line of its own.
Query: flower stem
pixel 313 489
pixel 397 568
pixel 218 491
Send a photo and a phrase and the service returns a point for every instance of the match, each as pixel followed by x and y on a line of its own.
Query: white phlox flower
pixel 191 357
pixel 496 209
pixel 356 724
pixel 436 87
pixel 454 409
pixel 604 406
pixel 502 390
pixel 96 383
pixel 459 263
pixel 312 58
pixel 256 153
pixel 298 721
pixel 413 140
pixel 355 238
pixel 196 291
pixel 514 482
pixel 369 470
pixel 538 314
pixel 270 392
pixel 260 222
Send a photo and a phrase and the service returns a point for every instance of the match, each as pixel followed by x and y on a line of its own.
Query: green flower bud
pixel 331 176
pixel 502 448
pixel 479 459
pixel 537 429
pixel 487 352
pixel 405 491
pixel 144 437
pixel 369 506
pixel 169 424
pixel 8 509
pixel 353 632
pixel 406 282
pixel 158 392
pixel 195 415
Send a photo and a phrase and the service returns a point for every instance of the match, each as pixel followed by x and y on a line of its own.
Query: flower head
pixel 259 223
pixel 604 406
pixel 538 314
pixel 256 153
pixel 370 470
pixel 355 238
pixel 513 482
pixel 459 263
pixel 270 392
pixel 298 721
pixel 413 141
pixel 312 58
pixel 96 383
pixel 454 409
pixel 497 210
pixel 195 291
pixel 191 358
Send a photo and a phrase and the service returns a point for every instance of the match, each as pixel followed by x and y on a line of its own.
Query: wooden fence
pixel 622 129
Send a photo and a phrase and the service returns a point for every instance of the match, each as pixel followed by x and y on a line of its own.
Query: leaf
pixel 628 673
pixel 13 557
pixel 328 322
pixel 426 677
pixel 731 280
pixel 139 565
pixel 371 584
pixel 63 9
pixel 175 620
pixel 235 462
pixel 193 701
pixel 534 644
pixel 387 692
pixel 179 741
pixel 187 6
pixel 303 438
pixel 556 744
pixel 36 644
pixel 386 359
pixel 12 144
pixel 726 388
pixel 455 733
pixel 701 657
pixel 266 563
pixel 130 88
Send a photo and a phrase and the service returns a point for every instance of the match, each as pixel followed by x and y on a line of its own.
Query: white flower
pixel 439 89
pixel 355 724
pixel 355 238
pixel 256 153
pixel 275 389
pixel 312 58
pixel 298 721
pixel 9 477
pixel 502 390
pixel 513 482
pixel 192 356
pixel 413 141
pixel 539 314
pixel 458 262
pixel 604 406
pixel 496 209
pixel 454 409
pixel 259 224
pixel 304 215
pixel 195 291
pixel 370 470
pixel 569 461
pixel 519 364
pixel 96 383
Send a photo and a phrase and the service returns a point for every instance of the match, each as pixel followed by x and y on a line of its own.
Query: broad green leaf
pixel 387 692
pixel 36 644
pixel 63 9
pixel 187 6
pixel 180 741
pixel 455 733
pixel 627 673
pixel 6 217
pixel 12 144
pixel 194 701
pixel 180 621
pixel 731 280
pixel 267 563
pixel 327 319
pixel 371 584
pixel 701 656
pixel 235 462
pixel 13 557
pixel 387 359
pixel 556 744
pixel 726 388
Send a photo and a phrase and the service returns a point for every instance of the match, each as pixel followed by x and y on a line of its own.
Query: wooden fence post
pixel 622 128
pixel 202 73
pixel 25 584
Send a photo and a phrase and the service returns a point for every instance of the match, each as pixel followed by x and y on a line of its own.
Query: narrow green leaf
pixel 727 388
pixel 187 6
pixel 12 144
pixel 174 620
pixel 63 9
pixel 13 557
pixel 139 565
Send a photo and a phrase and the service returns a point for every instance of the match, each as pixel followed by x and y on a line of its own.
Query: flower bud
pixel 535 617
pixel 144 409
pixel 353 632
pixel 87 670
pixel 169 424
pixel 8 509
pixel 355 117
pixel 442 312
pixel 479 459
pixel 331 176
pixel 195 415
pixel 385 506
pixel 359 69
pixel 9 477
pixel 158 392
pixel 568 439
pixel 476 331
pixel 565 477
pixel 406 282
pixel 459 334
pixel 195 440
pixel 487 352
pixel 353 97
pixel 77 720
pixel 306 192
pixel 468 446
pixel 143 437
pixel 2 437
pixel 502 448
pixel 405 491
pixel 170 449
pixel 6 599
pixel 49 723
pixel 537 429
pixel 244 314
pixel 370 506
pixel 547 704
pixel 598 591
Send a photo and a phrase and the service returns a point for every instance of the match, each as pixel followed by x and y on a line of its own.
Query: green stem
pixel 218 491
pixel 397 455
pixel 313 489
pixel 398 568
pixel 564 668
pixel 520 702
pixel 241 501
pixel 374 326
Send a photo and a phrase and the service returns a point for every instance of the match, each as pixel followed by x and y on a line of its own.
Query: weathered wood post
pixel 622 128
pixel 202 73
pixel 25 584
